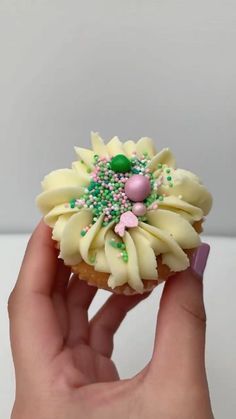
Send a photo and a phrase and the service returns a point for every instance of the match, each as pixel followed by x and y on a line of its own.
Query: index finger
pixel 34 328
pixel 40 262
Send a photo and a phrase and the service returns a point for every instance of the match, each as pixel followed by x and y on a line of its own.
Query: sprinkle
pixel 92 259
pixel 169 178
pixel 106 193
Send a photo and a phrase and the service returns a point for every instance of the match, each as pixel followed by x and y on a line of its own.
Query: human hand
pixel 63 362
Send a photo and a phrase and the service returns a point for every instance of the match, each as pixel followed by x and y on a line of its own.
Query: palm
pixel 88 365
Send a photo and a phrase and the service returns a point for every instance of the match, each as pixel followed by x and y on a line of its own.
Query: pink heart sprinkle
pixel 120 229
pixel 127 219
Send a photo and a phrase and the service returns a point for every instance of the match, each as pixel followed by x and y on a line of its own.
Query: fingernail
pixel 199 259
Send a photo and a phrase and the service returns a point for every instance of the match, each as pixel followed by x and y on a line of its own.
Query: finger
pixel 34 329
pixel 59 296
pixel 40 261
pixel 180 337
pixel 79 298
pixel 105 323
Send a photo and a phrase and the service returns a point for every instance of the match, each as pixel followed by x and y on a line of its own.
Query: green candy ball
pixel 120 164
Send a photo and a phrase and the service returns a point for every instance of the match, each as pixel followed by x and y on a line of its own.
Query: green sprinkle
pixel 125 256
pixel 83 233
pixel 161 198
pixel 159 165
pixel 72 203
pixel 120 164
pixel 169 177
pixel 92 259
pixel 112 243
pixel 167 170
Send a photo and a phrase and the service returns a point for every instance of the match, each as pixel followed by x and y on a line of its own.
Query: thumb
pixel 180 337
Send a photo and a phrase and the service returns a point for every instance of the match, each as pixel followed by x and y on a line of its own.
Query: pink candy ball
pixel 139 209
pixel 137 188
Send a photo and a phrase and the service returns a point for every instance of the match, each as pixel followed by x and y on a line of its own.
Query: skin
pixel 63 362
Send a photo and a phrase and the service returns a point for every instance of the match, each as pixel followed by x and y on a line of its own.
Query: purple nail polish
pixel 199 259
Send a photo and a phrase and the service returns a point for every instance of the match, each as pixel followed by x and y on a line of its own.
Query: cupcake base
pixel 99 279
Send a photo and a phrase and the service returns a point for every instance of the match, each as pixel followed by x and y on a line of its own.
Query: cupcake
pixel 124 218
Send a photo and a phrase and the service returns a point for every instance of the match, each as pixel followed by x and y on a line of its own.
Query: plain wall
pixel 165 69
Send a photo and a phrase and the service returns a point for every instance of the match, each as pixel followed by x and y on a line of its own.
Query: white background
pixel 165 69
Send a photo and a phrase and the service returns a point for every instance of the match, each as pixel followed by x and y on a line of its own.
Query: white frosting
pixel 167 232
